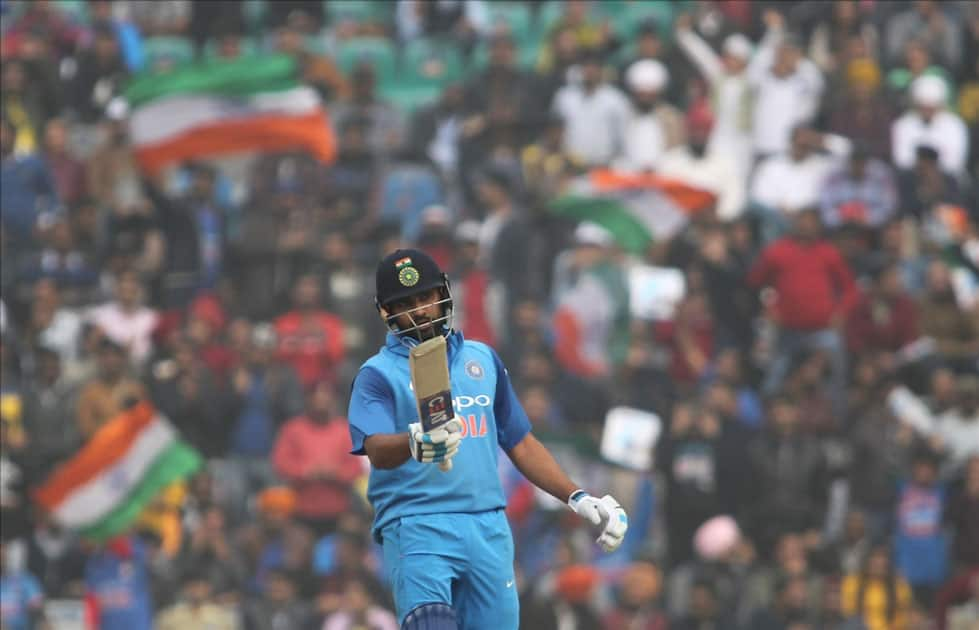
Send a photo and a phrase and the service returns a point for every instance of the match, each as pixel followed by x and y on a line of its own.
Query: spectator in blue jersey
pixel 920 543
pixel 447 545
pixel 21 597
pixel 26 188
pixel 117 585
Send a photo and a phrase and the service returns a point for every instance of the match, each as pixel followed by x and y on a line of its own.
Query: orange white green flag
pixel 102 490
pixel 221 107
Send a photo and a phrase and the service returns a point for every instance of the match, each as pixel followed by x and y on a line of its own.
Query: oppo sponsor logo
pixel 464 402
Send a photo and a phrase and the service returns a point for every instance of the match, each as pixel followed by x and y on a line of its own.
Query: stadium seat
pixel 405 193
pixel 376 50
pixel 359 11
pixel 75 10
pixel 254 14
pixel 248 47
pixel 549 13
pixel 177 49
pixel 527 54
pixel 430 62
pixel 627 15
pixel 408 98
pixel 517 17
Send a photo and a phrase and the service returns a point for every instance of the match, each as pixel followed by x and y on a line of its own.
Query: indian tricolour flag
pixel 103 489
pixel 222 107
pixel 637 208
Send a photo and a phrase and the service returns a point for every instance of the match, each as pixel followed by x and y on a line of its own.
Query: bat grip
pixel 445 466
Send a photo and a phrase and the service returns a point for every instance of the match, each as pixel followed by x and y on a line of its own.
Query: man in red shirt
pixel 312 453
pixel 814 290
pixel 310 339
pixel 884 319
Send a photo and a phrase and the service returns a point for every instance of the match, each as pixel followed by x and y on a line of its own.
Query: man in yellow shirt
pixel 197 608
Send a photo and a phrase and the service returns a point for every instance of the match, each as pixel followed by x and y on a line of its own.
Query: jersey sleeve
pixel 371 408
pixel 511 420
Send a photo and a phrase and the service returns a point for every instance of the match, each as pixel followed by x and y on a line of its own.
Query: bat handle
pixel 445 466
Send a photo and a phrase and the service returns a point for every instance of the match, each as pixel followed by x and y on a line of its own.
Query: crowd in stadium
pixel 812 350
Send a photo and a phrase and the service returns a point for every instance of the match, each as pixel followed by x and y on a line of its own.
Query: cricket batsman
pixel 445 537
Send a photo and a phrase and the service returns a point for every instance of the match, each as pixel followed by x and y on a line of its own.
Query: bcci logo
pixel 408 276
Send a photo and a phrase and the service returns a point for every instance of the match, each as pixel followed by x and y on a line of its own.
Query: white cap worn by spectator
pixel 929 91
pixel 737 45
pixel 467 232
pixel 117 109
pixel 264 336
pixel 589 233
pixel 647 75
pixel 436 215
pixel 930 123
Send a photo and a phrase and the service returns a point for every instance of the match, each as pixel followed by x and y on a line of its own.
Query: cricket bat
pixel 429 365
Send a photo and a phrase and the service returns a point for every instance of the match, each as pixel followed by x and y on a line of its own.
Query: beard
pixel 698 149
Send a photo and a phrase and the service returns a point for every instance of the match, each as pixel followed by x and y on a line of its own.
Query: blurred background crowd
pixel 810 358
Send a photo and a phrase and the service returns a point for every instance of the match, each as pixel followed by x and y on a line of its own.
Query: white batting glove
pixel 605 513
pixel 437 446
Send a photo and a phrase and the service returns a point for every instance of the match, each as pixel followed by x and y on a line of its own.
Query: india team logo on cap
pixel 407 275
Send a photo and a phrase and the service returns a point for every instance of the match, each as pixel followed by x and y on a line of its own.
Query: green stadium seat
pixel 516 16
pixel 75 10
pixel 248 48
pixel 430 62
pixel 376 50
pixel 408 98
pixel 359 11
pixel 527 54
pixel 627 15
pixel 254 13
pixel 178 49
pixel 549 14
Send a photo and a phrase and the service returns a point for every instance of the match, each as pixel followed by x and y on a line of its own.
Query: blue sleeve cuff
pixel 371 408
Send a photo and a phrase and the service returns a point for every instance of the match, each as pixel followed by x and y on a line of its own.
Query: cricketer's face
pixel 419 310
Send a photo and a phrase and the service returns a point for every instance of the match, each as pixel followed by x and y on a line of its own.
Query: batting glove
pixel 437 446
pixel 605 513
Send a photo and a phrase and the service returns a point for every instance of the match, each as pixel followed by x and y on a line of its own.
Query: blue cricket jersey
pixel 382 402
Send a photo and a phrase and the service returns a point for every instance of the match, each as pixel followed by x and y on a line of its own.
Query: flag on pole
pixel 102 490
pixel 222 107
pixel 637 208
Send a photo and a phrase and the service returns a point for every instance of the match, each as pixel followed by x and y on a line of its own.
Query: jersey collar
pixel 400 346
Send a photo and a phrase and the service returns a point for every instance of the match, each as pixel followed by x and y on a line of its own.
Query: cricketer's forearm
pixel 538 465
pixel 387 450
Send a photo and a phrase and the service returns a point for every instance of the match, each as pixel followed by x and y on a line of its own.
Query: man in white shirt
pixel 125 320
pixel 788 88
pixel 930 124
pixel 706 168
pixel 730 94
pixel 786 184
pixel 653 126
pixel 594 114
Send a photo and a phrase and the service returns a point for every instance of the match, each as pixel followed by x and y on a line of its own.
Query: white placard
pixel 65 614
pixel 629 437
pixel 655 291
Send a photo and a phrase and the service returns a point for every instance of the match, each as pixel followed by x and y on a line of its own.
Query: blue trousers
pixel 793 342
pixel 463 560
